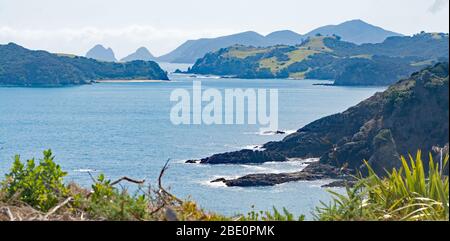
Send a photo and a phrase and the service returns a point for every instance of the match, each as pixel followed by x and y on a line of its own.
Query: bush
pixel 40 186
pixel 406 194
pixel 109 203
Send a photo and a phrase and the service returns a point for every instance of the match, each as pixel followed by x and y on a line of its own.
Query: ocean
pixel 124 129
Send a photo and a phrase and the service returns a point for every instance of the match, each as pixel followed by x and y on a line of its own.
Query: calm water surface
pixel 124 129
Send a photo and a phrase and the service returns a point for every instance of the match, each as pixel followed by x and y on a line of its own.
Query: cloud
pixel 438 5
pixel 123 39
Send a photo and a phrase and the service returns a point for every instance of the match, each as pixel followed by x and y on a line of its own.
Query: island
pixel 28 68
pixel 329 58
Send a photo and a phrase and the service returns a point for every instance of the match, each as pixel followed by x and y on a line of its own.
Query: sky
pixel 68 26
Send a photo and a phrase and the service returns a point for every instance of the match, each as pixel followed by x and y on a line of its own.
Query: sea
pixel 124 129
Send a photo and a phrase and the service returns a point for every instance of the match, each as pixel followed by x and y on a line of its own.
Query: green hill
pixel 23 67
pixel 325 57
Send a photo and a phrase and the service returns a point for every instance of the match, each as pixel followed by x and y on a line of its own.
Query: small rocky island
pixel 411 114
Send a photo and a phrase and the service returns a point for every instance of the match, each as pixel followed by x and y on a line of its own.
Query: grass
pixel 312 46
pixel 243 53
pixel 300 55
pixel 317 43
pixel 66 55
pixel 270 63
pixel 298 75
pixel 295 56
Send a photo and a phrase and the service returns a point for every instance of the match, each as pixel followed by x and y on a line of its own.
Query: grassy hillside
pixel 327 57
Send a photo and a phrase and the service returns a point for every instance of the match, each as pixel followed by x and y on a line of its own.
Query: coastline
pixel 131 81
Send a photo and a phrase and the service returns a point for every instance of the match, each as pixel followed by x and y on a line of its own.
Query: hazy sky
pixel 75 26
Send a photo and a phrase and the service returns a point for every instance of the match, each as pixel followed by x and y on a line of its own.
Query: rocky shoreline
pixel 314 171
pixel 411 115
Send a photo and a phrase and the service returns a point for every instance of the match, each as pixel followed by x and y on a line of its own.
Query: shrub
pixel 40 186
pixel 109 203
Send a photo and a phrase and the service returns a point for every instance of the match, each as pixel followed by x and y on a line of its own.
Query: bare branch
pixel 160 186
pixel 128 180
pixel 92 177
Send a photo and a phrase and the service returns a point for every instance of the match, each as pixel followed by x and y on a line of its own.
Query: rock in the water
pixel 315 171
pixel 274 132
pixel 219 180
pixel 243 157
pixel 192 161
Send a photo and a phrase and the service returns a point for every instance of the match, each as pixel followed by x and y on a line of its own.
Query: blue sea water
pixel 124 129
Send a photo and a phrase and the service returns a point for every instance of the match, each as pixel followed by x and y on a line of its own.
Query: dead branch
pixel 160 186
pixel 92 177
pixel 158 208
pixel 128 180
pixel 58 207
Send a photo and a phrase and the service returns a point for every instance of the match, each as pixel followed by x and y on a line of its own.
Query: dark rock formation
pixel 314 171
pixel 218 180
pixel 410 115
pixel 243 157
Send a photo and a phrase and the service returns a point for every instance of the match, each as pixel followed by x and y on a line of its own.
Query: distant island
pixel 329 58
pixel 23 67
pixel 354 31
pixel 100 53
pixel 141 53
pixel 412 114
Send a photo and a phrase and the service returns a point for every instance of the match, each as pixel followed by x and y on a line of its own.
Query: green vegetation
pixel 23 67
pixel 328 57
pixel 405 194
pixel 38 185
pixel 37 192
pixel 243 52
pixel 271 216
